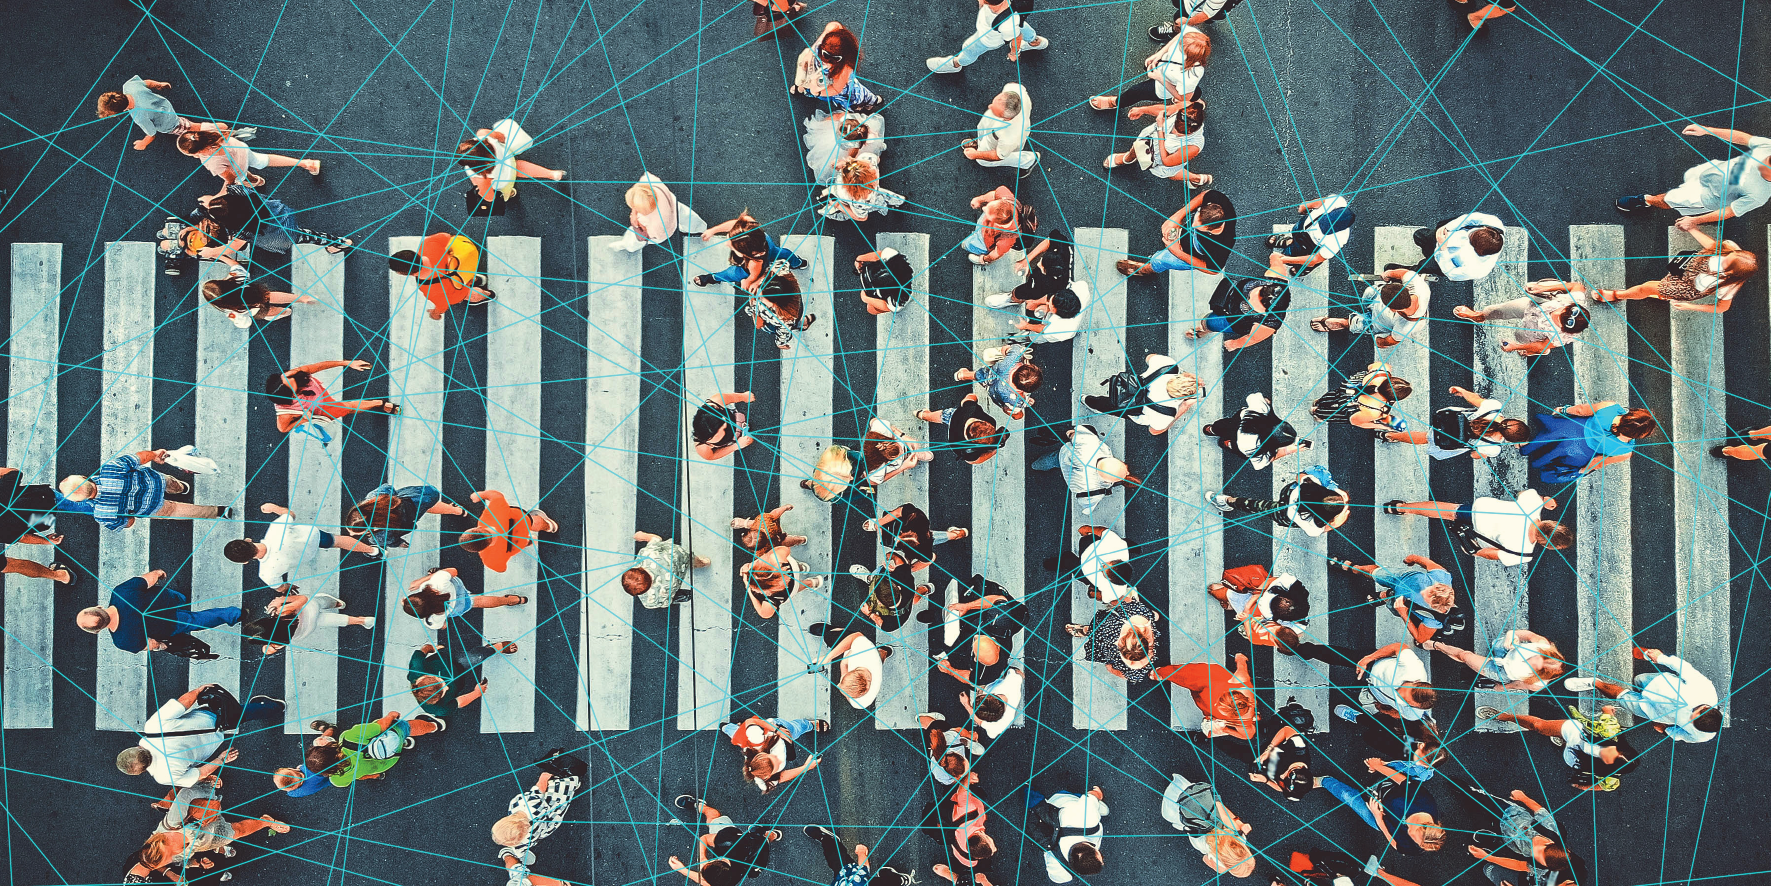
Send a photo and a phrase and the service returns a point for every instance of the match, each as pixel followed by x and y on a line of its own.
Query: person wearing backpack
pixel 1194 809
pixel 367 750
pixel 185 741
pixel 1390 310
pixel 1192 12
pixel 999 23
pixel 1507 532
pixel 1255 433
pixel 1155 399
pixel 885 281
pixel 1476 428
pixel 1071 825
pixel 1317 236
pixel 1421 594
pixel 717 429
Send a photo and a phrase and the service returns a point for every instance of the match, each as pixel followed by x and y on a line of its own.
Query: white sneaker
pixel 813 583
pixel 939 64
pixel 1578 684
pixel 1000 301
pixel 369 623
pixel 860 572
pixel 1218 500
pixel 1038 43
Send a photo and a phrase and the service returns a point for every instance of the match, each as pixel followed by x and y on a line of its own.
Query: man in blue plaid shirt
pixel 126 487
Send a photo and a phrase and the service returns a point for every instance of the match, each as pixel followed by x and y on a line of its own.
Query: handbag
pixel 220 702
pixel 1677 265
pixel 187 646
pixel 389 742
pixel 480 208
pixel 187 458
pixel 807 77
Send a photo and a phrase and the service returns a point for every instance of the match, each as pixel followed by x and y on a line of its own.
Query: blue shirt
pixel 145 612
pixel 1599 437
pixel 1412 583
pixel 852 874
pixel 311 783
pixel 126 489
pixel 998 378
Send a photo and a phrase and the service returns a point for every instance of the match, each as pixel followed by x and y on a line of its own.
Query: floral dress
pixel 1103 638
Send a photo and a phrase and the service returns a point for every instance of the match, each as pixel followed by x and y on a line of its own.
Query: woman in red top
pixel 447 267
pixel 1226 699
pixel 503 530
pixel 298 396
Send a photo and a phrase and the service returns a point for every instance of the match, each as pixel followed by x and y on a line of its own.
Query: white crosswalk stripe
pixel 1603 558
pixel 999 497
pixel 34 346
pixel 1500 599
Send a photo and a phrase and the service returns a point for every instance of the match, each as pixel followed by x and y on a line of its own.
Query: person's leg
pixel 421 726
pixel 206 618
pixel 1514 309
pixel 1354 798
pixel 1254 506
pixel 248 827
pixel 729 274
pixel 539 522
pixel 494 601
pixel 33 569
pixel 262 708
pixel 317 238
pixel 333 619
pixel 1046 462
pixel 1432 510
pixel 470 659
pixel 1142 91
pixel 832 848
pixel 525 169
pixel 1017 159
pixel 179 510
pixel 973 49
pixel 796 728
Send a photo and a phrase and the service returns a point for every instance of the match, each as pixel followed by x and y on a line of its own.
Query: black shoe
pixel 1424 238
pixel 1162 33
pixel 1050 564
pixel 1717 450
pixel 1392 266
pixel 929 616
pixel 1030 170
pixel 818 832
pixel 1099 403
pixel 705 280
pixel 323 726
pixel 817 629
pixel 799 264
pixel 227 513
pixel 490 298
pixel 1393 506
pixel 686 802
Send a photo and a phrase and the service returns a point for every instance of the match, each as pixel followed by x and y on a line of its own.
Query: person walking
pixel 779 309
pixel 130 487
pixel 436 597
pixel 979 631
pixel 1002 132
pixel 1715 268
pixel 291 618
pixel 1476 428
pixel 1680 702
pixel 1246 310
pixel 1507 532
pixel 1168 144
pixel 1574 441
pixel 950 751
pixel 1073 831
pixel 859 664
pixel 1541 320
pixel 1320 233
pixel 1714 190
pixel 27 517
pixel 388 513
pixel 1010 377
pixel 1421 594
pixel 1398 682
pixel 1216 833
pixel 148 109
pixel 832 140
pixel 1399 808
pixel 1002 219
pixel 1313 502
pixel 447 267
pixel 725 855
pixel 857 872
pixel 1517 661
pixel 769 745
pixel 1171 77
pixel 504 531
pixel 1164 393
pixel 240 219
pixel 957 820
pixel 826 70
pixel 286 553
pixel 1366 400
pixel 1057 317
pixel 1255 433
pixel 182 742
pixel 773 577
pixel 1462 249
pixel 1521 837
pixel 1391 310
pixel 998 24
pixel 654 214
pixel 145 613
pixel 1048 268
pixel 1103 560
pixel 490 161
pixel 1201 235
pixel 718 430
pixel 539 811
pixel 243 301
pixel 887 452
pixel 885 281
pixel 180 847
pixel 443 684
pixel 367 750
pixel 1593 747
pixel 751 251
pixel 298 398
pixel 222 152
pixel 995 705
pixel 660 571
pixel 1260 600
pixel 1123 637
pixel 1091 470
pixel 972 435
pixel 856 194
pixel 1226 699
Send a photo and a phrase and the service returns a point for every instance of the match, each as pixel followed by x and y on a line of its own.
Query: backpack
pixel 188 646
pixel 388 743
pixel 888 280
pixel 1297 716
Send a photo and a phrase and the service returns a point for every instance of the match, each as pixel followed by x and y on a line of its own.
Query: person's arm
pixel 1422 561
pixel 511 861
pixel 1377 765
pixel 1255 336
pixel 1386 652
pixel 840 650
pixel 1280 737
pixel 676 864
pixel 1531 349
pixel 1377 815
pixel 797 771
pixel 1032 254
pixel 1242 669
pixel 1732 136
pixel 1511 864
pixel 1417 632
pixel 468 698
pixel 1583 410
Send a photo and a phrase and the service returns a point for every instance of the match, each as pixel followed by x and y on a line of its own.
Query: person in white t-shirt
pixel 1399 682
pixel 1321 234
pixel 1677 700
pixel 1003 130
pixel 1103 559
pixel 182 744
pixel 998 25
pixel 1477 428
pixel 1464 248
pixel 1507 532
pixel 997 704
pixel 1390 310
pixel 860 665
pixel 1172 76
pixel 1090 469
pixel 287 551
pixel 1057 317
pixel 1073 823
pixel 1715 190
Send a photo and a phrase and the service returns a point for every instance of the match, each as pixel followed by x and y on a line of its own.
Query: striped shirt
pixel 126 489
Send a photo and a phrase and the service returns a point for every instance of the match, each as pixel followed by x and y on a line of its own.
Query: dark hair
pixel 112 103
pixel 781 291
pixel 322 757
pixel 1575 319
pixel 1561 535
pixel 990 708
pixel 380 512
pixel 1122 572
pixel 1085 858
pixel 978 848
pixel 1027 377
pixel 1425 695
pixel 710 418
pixel 271 628
pixel 1208 214
pixel 279 392
pixel 233 295
pixel 476 154
pixel 1555 857
pixel 1295 783
pixel 1190 118
pixel 841 43
pixel 1628 752
pixel 1395 296
pixel 240 550
pixel 1066 303
pixel 953 764
pixel 197 141
pixel 404 262
pixel 1028 216
pixel 753 243
pixel 1637 424
pixel 636 581
pixel 423 602
pixel 1710 720
pixel 1486 240
pixel 232 211
pixel 1393 388
pixel 1290 608
pixel 877 449
pixel 1511 430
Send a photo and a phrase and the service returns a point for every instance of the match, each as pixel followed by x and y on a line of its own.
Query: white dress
pixel 825 146
pixel 504 155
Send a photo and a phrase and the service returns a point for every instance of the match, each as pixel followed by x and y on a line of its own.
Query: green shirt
pixel 353 765
pixel 438 665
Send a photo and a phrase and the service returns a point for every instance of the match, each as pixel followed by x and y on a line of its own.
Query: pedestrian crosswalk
pixel 418 376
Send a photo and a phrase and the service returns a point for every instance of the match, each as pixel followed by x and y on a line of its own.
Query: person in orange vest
pixel 504 530
pixel 447 267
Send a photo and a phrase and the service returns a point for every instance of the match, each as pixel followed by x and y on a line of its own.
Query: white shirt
pixel 1457 258
pixel 450 587
pixel 288 551
pixel 1078 459
pixel 1107 549
pixel 1006 136
pixel 1008 29
pixel 1670 698
pixel 1009 688
pixel 1171 72
pixel 1328 243
pixel 864 655
pixel 1538 324
pixel 1058 328
pixel 1508 523
pixel 1486 448
pixel 1386 321
pixel 657 226
pixel 1386 676
pixel 1074 811
pixel 1174 143
pixel 1740 176
pixel 1157 390
pixel 177 758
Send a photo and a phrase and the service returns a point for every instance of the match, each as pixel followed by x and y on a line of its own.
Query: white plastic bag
pixel 187 458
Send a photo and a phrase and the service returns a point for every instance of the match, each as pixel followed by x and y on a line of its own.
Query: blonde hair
pixel 833 473
pixel 1432 837
pixel 1230 851
pixel 133 761
pixel 855 683
pixel 157 851
pixel 510 830
pixel 642 197
pixel 1182 385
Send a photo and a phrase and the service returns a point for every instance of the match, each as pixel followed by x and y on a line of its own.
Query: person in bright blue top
pixel 1574 441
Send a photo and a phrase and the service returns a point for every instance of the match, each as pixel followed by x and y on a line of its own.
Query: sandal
pixel 1109 164
pixel 341 248
pixel 1462 312
pixel 508 647
pixel 175 486
pixel 1279 241
pixel 390 407
pixel 1319 324
pixel 1204 180
pixel 520 599
pixel 63 567
pixel 1487 712
pixel 1096 102
pixel 276 826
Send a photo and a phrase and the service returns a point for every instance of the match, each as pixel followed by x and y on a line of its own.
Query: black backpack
pixel 888 280
pixel 187 646
pixel 1297 716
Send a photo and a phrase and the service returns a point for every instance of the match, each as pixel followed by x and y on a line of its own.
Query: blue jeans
pixel 262 709
pixel 1351 796
pixel 975 47
pixel 975 243
pixel 189 621
pixel 1047 462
